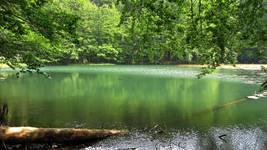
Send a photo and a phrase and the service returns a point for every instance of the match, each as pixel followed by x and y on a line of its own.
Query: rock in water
pixel 252 97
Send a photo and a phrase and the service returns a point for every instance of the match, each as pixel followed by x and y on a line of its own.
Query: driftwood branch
pixel 18 135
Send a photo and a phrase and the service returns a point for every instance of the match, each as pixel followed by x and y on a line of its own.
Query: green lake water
pixel 135 98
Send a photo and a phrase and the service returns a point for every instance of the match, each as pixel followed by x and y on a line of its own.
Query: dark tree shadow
pixel 3 114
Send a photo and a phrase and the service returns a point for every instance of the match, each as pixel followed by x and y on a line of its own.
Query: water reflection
pixel 93 99
pixel 193 113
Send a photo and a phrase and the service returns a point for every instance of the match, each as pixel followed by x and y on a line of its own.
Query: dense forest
pixel 214 32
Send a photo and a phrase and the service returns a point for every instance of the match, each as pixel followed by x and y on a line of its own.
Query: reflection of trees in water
pixel 123 99
pixel 3 114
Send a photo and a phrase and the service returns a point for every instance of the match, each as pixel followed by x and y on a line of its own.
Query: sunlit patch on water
pixel 247 139
pixel 234 139
pixel 143 141
pixel 246 76
pixel 239 139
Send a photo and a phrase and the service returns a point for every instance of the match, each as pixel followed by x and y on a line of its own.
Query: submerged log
pixel 20 135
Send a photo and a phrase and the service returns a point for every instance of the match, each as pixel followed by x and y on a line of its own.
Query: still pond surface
pixel 164 107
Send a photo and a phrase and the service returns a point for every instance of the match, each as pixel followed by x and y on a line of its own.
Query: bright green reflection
pixel 112 99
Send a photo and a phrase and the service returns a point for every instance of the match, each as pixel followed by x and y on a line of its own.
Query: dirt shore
pixel 3 66
pixel 237 66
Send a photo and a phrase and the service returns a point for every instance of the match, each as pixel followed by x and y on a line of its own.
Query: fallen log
pixel 20 135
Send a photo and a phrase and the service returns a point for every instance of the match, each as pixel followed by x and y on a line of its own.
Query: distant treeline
pixel 38 32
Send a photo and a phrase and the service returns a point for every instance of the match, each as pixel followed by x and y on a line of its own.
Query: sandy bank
pixel 237 66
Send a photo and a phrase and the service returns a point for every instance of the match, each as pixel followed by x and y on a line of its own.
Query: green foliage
pixel 37 32
pixel 25 35
pixel 205 32
pixel 18 43
pixel 152 26
pixel 98 33
pixel 103 2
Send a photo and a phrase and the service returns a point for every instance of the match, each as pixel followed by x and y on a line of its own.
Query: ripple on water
pixel 241 75
pixel 247 76
pixel 234 139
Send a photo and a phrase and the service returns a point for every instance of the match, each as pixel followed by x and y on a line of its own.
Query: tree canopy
pixel 214 32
